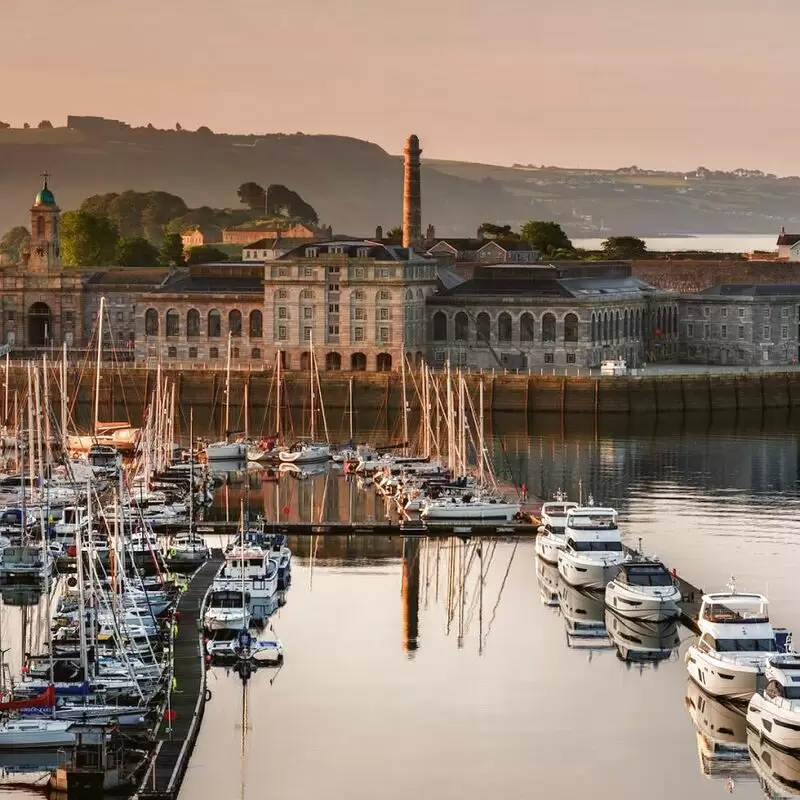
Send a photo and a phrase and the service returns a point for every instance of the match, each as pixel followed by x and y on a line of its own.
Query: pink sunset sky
pixel 658 83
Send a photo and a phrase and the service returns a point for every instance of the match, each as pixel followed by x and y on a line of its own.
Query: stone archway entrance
pixel 40 325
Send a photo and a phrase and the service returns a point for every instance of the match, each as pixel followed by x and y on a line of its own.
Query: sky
pixel 670 84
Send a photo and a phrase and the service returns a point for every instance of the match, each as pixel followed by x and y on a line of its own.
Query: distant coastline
pixel 701 242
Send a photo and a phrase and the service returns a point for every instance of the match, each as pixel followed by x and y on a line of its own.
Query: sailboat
pixel 267 450
pixel 225 450
pixel 311 451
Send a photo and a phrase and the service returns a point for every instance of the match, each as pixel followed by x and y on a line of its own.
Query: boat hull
pixel 548 547
pixel 780 724
pixel 226 622
pixel 477 512
pixel 734 681
pixel 593 576
pixel 308 455
pixel 223 452
pixel 32 734
pixel 642 605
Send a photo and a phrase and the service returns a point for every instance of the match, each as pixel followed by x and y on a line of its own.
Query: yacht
pixel 25 561
pixel 644 589
pixel 583 619
pixel 552 532
pixel 253 570
pixel 227 610
pixel 774 713
pixel 469 506
pixel 226 451
pixel 26 734
pixel 641 642
pixel 187 550
pixel 305 453
pixel 593 551
pixel 548 577
pixel 736 639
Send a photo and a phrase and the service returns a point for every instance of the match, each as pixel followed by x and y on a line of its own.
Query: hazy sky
pixel 662 83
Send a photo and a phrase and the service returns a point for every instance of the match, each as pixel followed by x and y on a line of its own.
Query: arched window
pixel 504 328
pixel 193 322
pixel 571 328
pixel 305 361
pixel 625 325
pixel 383 363
pixel 439 327
pixel 214 324
pixel 593 329
pixel 235 322
pixel 548 328
pixel 151 322
pixel 482 329
pixel 616 327
pixel 638 323
pixel 256 324
pixel 605 326
pixel 358 362
pixel 462 327
pixel 526 327
pixel 173 322
pixel 333 361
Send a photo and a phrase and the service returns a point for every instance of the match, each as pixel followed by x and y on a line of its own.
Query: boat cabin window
pixel 743 645
pixel 647 575
pixel 587 523
pixel 776 689
pixel 555 509
pixel 736 610
pixel 595 547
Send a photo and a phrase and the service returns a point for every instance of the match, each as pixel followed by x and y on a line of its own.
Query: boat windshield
pixel 648 575
pixel 776 689
pixel 736 610
pixel 744 645
pixel 596 547
pixel 593 523
pixel 554 509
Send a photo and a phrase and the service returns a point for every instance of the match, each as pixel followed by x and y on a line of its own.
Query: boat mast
pixel 451 444
pixel 228 388
pixel 64 396
pixel 31 440
pixel 278 360
pixel 405 401
pixel 311 365
pixel 350 404
pixel 81 587
pixel 5 394
pixel 426 432
pixel 46 399
pixel 99 359
pixel 480 440
pixel 191 471
pixel 246 411
pixel 462 421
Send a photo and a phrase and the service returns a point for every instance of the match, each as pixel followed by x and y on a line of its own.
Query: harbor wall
pixel 378 396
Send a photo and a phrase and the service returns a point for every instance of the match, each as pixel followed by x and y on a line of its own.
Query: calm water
pixel 404 679
pixel 724 243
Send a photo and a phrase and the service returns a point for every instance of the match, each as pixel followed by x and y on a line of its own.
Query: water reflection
pixel 643 643
pixel 549 580
pixel 778 772
pixel 584 619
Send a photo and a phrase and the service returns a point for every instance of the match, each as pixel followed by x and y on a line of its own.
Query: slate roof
pixel 752 290
pixel 788 239
pixel 276 243
pixel 188 282
pixel 128 276
pixel 375 249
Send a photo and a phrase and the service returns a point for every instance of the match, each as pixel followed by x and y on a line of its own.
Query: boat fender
pixel 208 695
pixel 173 553
pixel 113 723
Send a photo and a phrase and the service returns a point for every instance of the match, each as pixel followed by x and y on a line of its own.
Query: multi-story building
pixel 254 232
pixel 741 324
pixel 360 303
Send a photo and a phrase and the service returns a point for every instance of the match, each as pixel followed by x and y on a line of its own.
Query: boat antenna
pixel 732 585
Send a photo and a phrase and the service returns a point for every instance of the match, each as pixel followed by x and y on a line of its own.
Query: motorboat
pixel 778 772
pixel 593 552
pixel 641 642
pixel 264 648
pixel 736 639
pixel 584 619
pixel 721 734
pixel 305 453
pixel 253 570
pixel 227 610
pixel 644 589
pixel 774 712
pixel 187 550
pixel 548 578
pixel 551 536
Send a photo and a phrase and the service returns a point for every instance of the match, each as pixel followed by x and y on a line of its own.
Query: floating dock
pixel 175 738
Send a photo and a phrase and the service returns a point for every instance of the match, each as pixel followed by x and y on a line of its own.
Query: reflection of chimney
pixel 379 233
pixel 410 595
pixel 412 194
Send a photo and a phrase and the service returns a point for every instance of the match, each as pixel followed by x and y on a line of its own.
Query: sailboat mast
pixel 81 587
pixel 278 393
pixel 405 401
pixel 46 400
pixel 311 367
pixel 228 389
pixel 462 422
pixel 5 395
pixel 350 404
pixel 246 409
pixel 480 436
pixel 64 396
pixel 451 444
pixel 100 316
pixel 191 470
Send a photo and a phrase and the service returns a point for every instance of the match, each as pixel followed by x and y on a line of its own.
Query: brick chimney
pixel 379 233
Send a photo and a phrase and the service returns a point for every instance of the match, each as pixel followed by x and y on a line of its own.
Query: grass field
pixel 43 136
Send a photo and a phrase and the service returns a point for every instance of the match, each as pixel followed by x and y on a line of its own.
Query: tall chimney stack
pixel 412 194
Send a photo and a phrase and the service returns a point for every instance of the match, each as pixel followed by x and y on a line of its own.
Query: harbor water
pixel 405 675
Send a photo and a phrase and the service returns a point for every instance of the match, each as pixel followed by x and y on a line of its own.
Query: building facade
pixel 249 234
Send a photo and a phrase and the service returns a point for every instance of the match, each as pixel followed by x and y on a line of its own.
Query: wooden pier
pixel 175 738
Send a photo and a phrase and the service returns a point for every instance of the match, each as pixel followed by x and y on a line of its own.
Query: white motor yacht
pixel 593 552
pixel 736 639
pixel 551 536
pixel 774 713
pixel 644 589
pixel 250 569
pixel 469 506
pixel 187 550
pixel 226 451
pixel 26 734
pixel 227 610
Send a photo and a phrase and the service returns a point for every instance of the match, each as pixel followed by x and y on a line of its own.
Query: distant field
pixel 44 136
pixel 654 180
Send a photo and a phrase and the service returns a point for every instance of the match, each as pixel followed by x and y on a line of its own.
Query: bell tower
pixel 45 228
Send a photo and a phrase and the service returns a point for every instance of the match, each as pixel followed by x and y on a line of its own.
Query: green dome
pixel 45 197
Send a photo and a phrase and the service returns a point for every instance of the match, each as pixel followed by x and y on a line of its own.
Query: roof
pixel 211 284
pixel 517 245
pixel 46 198
pixel 277 242
pixel 351 247
pixel 128 276
pixel 751 290
pixel 788 239
pixel 458 244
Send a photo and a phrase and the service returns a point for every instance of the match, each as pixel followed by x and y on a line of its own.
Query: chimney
pixel 412 194
pixel 379 233
pixel 430 233
pixel 783 230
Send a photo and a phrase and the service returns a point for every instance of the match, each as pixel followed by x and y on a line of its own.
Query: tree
pixel 624 247
pixel 546 237
pixel 137 213
pixel 136 251
pixel 205 130
pixel 490 229
pixel 254 196
pixel 45 124
pixel 26 125
pixel 172 250
pixel 395 233
pixel 284 202
pixel 178 126
pixel 204 254
pixel 14 243
pixel 88 240
pixel 4 126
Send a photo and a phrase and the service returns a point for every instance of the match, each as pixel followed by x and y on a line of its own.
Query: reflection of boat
pixel 721 734
pixel 584 620
pixel 736 639
pixel 643 642
pixel 778 772
pixel 644 589
pixel 593 552
pixel 775 712
pixel 552 535
pixel 548 577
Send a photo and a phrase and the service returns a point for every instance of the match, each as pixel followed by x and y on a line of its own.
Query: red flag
pixel 169 715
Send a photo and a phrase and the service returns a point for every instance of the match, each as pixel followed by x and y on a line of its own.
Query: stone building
pixel 520 317
pixel 741 324
pixel 361 303
pixel 254 232
pixel 197 237
pixel 492 251
pixel 271 248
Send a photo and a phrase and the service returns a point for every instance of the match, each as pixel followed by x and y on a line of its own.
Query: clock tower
pixel 45 228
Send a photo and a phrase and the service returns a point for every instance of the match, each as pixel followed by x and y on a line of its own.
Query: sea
pixel 434 668
pixel 722 243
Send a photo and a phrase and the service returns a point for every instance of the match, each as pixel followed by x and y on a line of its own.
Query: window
pixel 307 294
pixel 706 311
pixel 213 352
pixel 570 358
pixel 784 331
pixel 383 272
pixel 333 270
pixel 526 328
pixel 723 331
pixel 690 330
pixel 549 358
pixel 706 331
pixel 11 316
pixel 765 355
pixel 283 312
pixel 333 308
pixel 312 252
pixel 724 312
pixel 255 352
pixel 462 327
pixel 308 312
pixel 120 316
pixel 283 272
pixel 69 317
pixel 307 333
pixel 333 287
pixel 193 322
pixel 308 272
pixel 173 322
pixel 483 330
pixel 549 328
pixel 741 313
pixel 336 250
pixel 360 313
pixel 359 272
pixel 383 295
pixel 333 330
pixel 235 352
pixel 504 327
pixel 384 334
pixel 282 294
pixel 741 331
pixel 172 352
pixel 192 352
pixel 150 322
pixel 384 314
pixel 256 324
pixel 282 334
pixel 785 312
pixel 767 333
pixel 767 312
pixel 359 334
pixel 358 294
pixel 120 336
pixel 571 328
pixel 235 322
pixel 214 324
pixel 362 252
